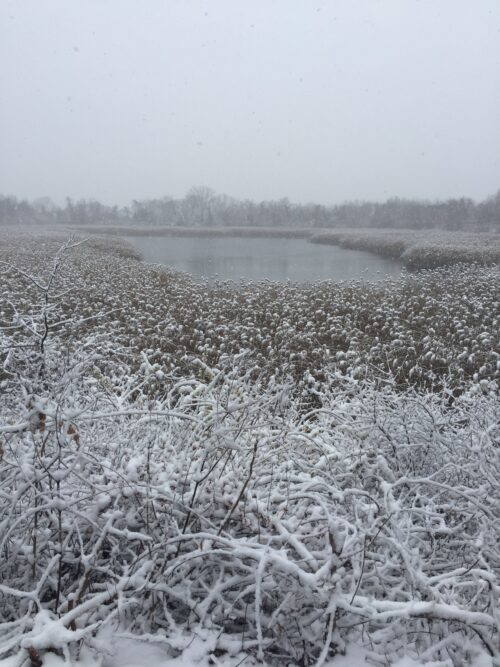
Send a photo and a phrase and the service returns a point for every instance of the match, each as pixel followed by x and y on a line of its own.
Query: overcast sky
pixel 262 99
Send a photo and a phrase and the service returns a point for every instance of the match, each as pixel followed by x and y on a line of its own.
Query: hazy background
pixel 325 101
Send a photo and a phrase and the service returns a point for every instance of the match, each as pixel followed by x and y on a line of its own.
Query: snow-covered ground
pixel 121 652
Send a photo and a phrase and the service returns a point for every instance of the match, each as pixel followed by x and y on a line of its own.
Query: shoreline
pixel 415 249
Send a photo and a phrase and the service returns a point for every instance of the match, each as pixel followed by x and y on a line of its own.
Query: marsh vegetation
pixel 224 457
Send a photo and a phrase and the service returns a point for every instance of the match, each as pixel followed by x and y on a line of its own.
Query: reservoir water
pixel 277 259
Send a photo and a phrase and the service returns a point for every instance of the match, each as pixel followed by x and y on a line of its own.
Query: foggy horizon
pixel 63 201
pixel 323 103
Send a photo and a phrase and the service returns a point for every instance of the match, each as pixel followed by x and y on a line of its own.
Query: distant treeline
pixel 205 208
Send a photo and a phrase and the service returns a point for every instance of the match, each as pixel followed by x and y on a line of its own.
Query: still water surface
pixel 274 259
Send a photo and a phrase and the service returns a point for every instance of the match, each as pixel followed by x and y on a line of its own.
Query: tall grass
pixel 425 330
pixel 419 250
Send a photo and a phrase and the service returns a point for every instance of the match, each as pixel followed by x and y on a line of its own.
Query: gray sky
pixel 316 101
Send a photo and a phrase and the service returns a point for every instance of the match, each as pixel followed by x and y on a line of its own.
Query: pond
pixel 277 259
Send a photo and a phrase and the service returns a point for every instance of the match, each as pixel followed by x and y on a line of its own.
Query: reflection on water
pixel 263 258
